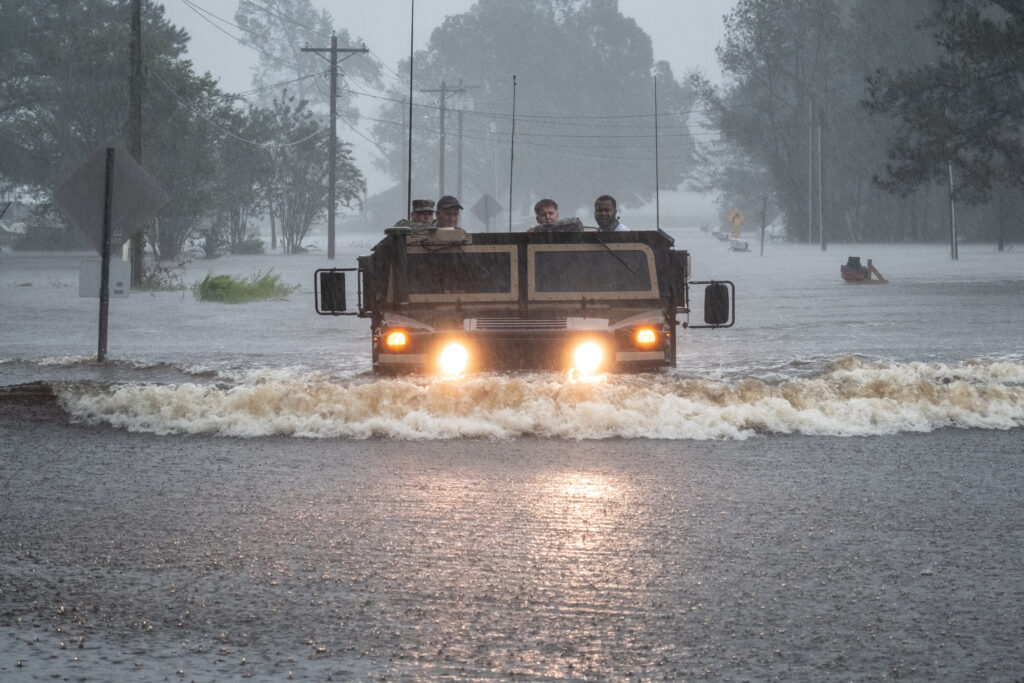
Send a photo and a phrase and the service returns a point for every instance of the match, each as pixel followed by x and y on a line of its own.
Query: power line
pixel 202 10
pixel 191 109
pixel 272 11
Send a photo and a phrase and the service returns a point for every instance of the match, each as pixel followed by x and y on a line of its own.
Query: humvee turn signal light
pixel 645 336
pixel 396 340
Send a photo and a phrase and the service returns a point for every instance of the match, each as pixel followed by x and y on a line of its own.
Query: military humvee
pixel 444 300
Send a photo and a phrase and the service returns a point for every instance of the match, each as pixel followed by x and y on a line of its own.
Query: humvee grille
pixel 525 324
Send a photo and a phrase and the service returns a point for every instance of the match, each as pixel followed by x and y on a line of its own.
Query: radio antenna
pixel 408 180
pixel 657 183
pixel 512 160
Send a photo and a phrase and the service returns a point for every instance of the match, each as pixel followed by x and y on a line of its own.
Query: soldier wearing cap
pixel 422 215
pixel 448 209
pixel 423 211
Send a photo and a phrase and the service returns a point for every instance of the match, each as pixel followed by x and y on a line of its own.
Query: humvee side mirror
pixel 716 304
pixel 329 288
pixel 719 303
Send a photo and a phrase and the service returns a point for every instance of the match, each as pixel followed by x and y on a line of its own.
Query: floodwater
pixel 828 490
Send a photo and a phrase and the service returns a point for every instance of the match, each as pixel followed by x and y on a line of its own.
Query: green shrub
pixel 232 290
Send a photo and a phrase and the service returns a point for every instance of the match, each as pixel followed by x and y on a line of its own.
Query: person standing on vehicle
pixel 448 209
pixel 422 215
pixel 546 211
pixel 605 213
pixel 423 212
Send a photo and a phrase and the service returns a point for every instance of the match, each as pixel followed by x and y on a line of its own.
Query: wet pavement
pixel 208 558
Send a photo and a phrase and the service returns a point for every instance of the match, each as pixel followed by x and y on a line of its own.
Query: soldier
pixel 422 215
pixel 448 209
pixel 423 211
pixel 605 215
pixel 546 211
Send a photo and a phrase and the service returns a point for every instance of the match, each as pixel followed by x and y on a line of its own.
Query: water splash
pixel 850 397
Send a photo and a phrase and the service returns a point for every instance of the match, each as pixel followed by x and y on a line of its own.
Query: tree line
pixel 64 70
pixel 858 118
pixel 850 116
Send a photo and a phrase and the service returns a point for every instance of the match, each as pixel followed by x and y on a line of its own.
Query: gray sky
pixel 683 32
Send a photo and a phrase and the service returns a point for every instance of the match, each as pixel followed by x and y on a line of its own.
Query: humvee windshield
pixel 621 270
pixel 452 272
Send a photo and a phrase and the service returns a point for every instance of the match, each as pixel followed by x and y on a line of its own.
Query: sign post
pixel 107 197
pixel 108 190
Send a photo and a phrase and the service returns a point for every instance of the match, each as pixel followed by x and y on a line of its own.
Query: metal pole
pixel 408 178
pixel 821 223
pixel 440 173
pixel 333 143
pixel 512 155
pixel 135 127
pixel 108 191
pixel 657 180
pixel 331 171
pixel 810 169
pixel 458 175
pixel 954 252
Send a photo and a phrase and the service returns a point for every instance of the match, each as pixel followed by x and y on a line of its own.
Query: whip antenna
pixel 512 160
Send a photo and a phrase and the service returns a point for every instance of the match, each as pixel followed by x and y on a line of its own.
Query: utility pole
pixel 135 130
pixel 954 252
pixel 444 90
pixel 333 147
pixel 821 222
pixel 462 108
pixel 810 170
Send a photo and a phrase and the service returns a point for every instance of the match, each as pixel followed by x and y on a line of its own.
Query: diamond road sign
pixel 136 197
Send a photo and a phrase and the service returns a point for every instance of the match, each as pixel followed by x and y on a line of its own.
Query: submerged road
pixel 158 557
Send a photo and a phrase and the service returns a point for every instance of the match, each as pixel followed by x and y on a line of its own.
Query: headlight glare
pixel 588 357
pixel 454 358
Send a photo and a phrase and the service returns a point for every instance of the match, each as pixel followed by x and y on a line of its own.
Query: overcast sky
pixel 683 32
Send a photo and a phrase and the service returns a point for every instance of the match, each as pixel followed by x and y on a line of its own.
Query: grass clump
pixel 234 290
pixel 163 278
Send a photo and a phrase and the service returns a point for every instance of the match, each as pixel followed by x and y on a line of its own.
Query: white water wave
pixel 852 397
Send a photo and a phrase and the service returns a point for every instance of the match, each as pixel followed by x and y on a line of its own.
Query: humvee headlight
pixel 588 357
pixel 645 336
pixel 454 359
pixel 396 340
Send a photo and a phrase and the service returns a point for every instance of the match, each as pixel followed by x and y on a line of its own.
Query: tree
pixel 185 119
pixel 965 109
pixel 64 80
pixel 68 81
pixel 584 106
pixel 246 167
pixel 278 30
pixel 298 191
pixel 796 73
pixel 782 58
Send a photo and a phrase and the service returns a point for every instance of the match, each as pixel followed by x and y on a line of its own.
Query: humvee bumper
pixel 585 351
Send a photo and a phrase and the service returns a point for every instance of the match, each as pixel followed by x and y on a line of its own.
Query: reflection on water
pixel 543 569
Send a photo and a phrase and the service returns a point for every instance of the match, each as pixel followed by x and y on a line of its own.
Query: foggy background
pixel 683 33
pixel 825 122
